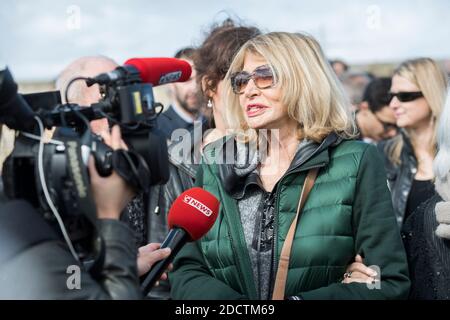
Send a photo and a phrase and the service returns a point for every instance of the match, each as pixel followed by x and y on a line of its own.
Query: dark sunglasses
pixel 262 77
pixel 405 96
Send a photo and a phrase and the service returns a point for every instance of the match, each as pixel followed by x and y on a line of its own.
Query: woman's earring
pixel 210 103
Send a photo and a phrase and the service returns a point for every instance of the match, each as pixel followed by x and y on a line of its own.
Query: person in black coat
pixel 36 263
pixel 426 233
pixel 417 97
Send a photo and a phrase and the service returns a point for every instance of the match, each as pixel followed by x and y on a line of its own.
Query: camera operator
pixel 36 264
pixel 34 261
pixel 81 94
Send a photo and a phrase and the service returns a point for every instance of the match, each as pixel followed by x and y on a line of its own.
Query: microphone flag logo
pixel 170 77
pixel 197 205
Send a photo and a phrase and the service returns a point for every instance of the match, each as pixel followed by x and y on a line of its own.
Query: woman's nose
pixel 251 89
pixel 394 103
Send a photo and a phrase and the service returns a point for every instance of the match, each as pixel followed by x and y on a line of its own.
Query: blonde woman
pixel 281 82
pixel 417 97
pixel 427 232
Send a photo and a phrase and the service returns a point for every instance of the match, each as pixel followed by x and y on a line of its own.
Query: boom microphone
pixel 156 71
pixel 191 216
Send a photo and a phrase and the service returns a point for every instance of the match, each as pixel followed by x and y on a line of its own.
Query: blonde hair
pixel 310 88
pixel 431 80
pixel 441 164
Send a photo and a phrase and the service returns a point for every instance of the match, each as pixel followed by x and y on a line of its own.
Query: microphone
pixel 156 71
pixel 190 217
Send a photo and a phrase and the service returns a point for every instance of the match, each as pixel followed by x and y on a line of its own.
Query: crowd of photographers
pixel 406 117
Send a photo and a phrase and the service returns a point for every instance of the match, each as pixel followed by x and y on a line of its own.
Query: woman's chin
pixel 258 126
pixel 403 123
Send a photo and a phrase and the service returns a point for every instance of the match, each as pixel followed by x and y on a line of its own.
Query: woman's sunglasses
pixel 262 77
pixel 405 96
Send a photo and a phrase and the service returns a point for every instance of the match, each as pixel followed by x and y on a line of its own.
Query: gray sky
pixel 38 38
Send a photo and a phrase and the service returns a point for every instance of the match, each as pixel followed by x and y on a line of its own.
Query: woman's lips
pixel 254 110
pixel 398 114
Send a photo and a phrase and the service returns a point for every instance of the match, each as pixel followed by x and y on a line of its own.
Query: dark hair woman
pixel 211 61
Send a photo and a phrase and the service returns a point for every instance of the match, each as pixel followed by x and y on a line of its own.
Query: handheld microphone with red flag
pixel 156 71
pixel 190 217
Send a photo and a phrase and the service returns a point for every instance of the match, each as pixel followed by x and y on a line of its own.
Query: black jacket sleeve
pixel 42 267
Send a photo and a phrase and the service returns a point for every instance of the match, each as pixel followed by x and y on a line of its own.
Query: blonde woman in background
pixel 418 93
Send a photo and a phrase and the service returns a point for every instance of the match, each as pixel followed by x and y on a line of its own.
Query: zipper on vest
pixel 274 243
pixel 275 222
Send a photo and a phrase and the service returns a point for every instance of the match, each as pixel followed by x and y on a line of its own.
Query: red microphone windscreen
pixel 195 211
pixel 159 71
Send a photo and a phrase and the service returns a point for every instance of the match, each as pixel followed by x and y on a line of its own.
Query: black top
pixel 421 191
pixel 428 255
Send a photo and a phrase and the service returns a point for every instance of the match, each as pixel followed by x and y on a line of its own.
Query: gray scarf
pixel 443 208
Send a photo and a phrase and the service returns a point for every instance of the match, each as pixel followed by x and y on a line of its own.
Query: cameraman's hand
pixel 149 255
pixel 107 139
pixel 111 194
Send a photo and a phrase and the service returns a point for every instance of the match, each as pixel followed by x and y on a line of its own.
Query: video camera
pixel 53 175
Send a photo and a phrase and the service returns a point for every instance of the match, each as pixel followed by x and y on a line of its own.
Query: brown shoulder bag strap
pixel 283 265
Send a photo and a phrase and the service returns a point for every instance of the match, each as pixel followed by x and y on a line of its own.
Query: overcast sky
pixel 39 37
